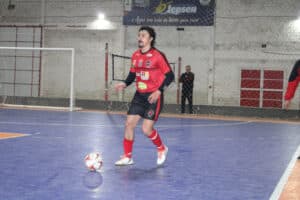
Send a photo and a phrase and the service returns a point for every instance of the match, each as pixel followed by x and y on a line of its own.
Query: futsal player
pixel 152 73
pixel 294 80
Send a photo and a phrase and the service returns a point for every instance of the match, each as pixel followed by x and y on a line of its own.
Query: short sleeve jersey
pixel 150 69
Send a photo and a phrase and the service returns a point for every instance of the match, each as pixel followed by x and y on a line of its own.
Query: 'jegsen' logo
pixel 177 10
pixel 168 8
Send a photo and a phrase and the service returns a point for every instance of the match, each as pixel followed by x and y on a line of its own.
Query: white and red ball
pixel 93 161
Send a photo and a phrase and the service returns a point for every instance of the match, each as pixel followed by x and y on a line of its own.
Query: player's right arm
pixel 293 84
pixel 130 78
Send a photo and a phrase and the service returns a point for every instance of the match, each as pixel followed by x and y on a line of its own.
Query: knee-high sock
pixel 127 144
pixel 155 138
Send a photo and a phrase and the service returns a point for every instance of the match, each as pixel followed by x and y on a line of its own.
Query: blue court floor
pixel 208 159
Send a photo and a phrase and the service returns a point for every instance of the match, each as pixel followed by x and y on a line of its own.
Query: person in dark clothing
pixel 187 80
pixel 294 80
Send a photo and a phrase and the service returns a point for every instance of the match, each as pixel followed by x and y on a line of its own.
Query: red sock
pixel 154 136
pixel 127 144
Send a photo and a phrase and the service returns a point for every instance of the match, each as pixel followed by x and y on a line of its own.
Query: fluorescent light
pixel 101 25
pixel 101 16
pixel 295 25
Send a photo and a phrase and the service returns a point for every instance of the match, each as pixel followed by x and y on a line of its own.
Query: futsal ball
pixel 93 161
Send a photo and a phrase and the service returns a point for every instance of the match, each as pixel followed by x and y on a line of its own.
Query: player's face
pixel 188 68
pixel 144 39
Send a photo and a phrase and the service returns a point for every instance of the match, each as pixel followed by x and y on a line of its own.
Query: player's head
pixel 146 37
pixel 188 68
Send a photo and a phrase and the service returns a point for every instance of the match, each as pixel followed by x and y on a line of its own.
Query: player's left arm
pixel 169 77
pixel 167 71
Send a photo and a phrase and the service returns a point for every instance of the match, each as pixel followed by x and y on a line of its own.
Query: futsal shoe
pixel 124 161
pixel 162 156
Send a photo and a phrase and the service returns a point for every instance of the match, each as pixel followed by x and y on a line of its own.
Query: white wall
pixel 57 12
pixel 89 61
pixel 242 26
pixel 55 16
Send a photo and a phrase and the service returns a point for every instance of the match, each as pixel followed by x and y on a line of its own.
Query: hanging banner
pixel 169 12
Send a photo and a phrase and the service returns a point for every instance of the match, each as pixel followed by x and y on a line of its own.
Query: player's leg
pixel 150 117
pixel 190 100
pixel 153 135
pixel 183 96
pixel 130 125
pixel 135 112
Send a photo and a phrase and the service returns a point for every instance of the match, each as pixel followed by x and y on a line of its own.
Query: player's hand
pixel 120 86
pixel 154 96
pixel 287 104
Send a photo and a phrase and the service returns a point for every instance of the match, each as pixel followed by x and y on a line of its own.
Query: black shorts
pixel 141 106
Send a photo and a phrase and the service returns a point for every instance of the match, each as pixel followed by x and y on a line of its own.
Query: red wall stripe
pixel 250 94
pixel 250 73
pixel 245 83
pixel 272 74
pixel 272 104
pixel 272 95
pixel 273 84
pixel 249 102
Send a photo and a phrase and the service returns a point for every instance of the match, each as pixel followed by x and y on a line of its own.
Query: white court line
pixel 284 178
pixel 111 126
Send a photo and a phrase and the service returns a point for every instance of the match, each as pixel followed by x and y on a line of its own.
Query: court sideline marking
pixel 284 178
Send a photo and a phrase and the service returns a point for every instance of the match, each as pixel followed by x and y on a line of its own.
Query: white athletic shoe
pixel 162 156
pixel 124 161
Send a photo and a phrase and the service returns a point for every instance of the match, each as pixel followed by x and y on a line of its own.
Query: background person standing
pixel 187 80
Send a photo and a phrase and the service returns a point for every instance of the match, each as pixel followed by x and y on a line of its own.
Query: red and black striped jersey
pixel 150 69
pixel 294 80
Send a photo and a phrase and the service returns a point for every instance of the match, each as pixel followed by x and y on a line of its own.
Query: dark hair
pixel 151 32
